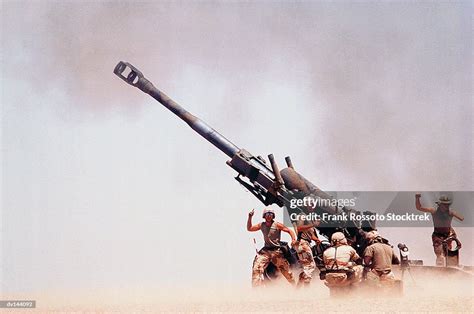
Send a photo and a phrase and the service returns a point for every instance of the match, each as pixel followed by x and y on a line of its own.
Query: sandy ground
pixel 431 295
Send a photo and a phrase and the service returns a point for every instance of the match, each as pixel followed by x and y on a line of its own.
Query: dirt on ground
pixel 442 295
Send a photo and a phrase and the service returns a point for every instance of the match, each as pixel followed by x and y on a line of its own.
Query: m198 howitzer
pixel 265 181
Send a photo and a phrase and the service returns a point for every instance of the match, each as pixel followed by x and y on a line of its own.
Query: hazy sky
pixel 102 187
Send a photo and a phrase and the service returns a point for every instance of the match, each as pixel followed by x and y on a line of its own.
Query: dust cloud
pixel 430 294
pixel 363 96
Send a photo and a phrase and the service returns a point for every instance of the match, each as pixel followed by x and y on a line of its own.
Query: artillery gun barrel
pixel 268 184
pixel 134 77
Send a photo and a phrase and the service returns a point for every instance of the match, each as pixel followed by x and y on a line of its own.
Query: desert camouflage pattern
pixel 261 261
pixel 375 277
pixel 438 239
pixel 339 278
pixel 306 260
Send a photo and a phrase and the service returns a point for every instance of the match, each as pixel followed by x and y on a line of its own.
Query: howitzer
pixel 265 181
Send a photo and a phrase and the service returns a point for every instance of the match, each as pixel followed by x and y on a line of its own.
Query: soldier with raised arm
pixel 271 252
pixel 442 218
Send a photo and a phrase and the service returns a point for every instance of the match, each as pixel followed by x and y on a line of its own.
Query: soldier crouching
pixel 378 259
pixel 340 261
pixel 271 252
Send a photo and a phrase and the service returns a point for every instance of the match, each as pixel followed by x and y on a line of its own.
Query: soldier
pixel 378 259
pixel 340 261
pixel 271 252
pixel 306 234
pixel 442 217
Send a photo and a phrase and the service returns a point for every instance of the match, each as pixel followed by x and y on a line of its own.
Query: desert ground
pixel 422 295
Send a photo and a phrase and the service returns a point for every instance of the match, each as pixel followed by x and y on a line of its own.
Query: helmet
pixel 338 238
pixel 443 199
pixel 371 235
pixel 268 210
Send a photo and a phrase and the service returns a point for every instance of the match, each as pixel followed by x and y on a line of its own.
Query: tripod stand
pixel 405 262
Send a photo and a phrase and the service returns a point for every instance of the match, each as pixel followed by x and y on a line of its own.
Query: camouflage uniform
pixel 261 261
pixel 305 256
pixel 375 276
pixel 341 278
pixel 338 259
pixel 271 252
pixel 442 220
pixel 437 238
pixel 382 257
